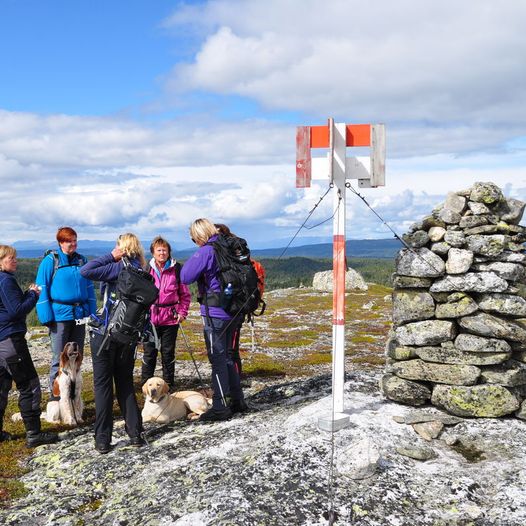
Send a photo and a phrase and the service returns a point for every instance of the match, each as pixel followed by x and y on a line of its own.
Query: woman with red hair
pixel 65 296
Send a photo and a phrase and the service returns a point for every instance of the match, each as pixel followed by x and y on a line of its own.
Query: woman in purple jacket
pixel 170 309
pixel 218 324
pixel 115 362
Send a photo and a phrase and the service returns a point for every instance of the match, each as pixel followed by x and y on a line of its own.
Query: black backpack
pixel 235 268
pixel 136 292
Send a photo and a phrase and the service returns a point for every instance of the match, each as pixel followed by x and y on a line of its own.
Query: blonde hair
pixel 131 246
pixel 5 251
pixel 201 230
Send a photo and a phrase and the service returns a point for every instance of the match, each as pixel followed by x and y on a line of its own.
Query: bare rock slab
pixel 437 372
pixel 487 401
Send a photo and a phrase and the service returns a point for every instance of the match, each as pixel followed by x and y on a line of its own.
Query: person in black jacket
pixel 115 362
pixel 15 361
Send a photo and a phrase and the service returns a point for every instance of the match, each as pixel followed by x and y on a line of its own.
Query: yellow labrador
pixel 162 407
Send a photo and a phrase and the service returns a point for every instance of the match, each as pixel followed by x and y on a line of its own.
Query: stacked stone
pixel 459 308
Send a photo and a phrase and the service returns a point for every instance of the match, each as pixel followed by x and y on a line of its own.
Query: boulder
pixel 487 245
pixel 441 248
pixel 455 238
pixel 409 282
pixel 485 324
pixel 456 203
pixel 509 376
pixel 478 208
pixel 458 305
pixel 437 372
pixel 450 217
pixel 411 305
pixel 473 221
pixel 353 281
pixel 404 391
pixel 451 355
pixel 428 332
pixel 436 233
pixel 479 344
pixel 416 239
pixel 511 210
pixel 487 193
pixel 458 261
pixel 506 304
pixel 487 401
pixel 511 271
pixel 471 282
pixel 421 263
pixel 401 353
pixel 429 430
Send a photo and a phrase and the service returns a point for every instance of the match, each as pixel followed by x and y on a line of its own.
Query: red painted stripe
pixel 356 135
pixel 339 267
pixel 338 322
pixel 303 157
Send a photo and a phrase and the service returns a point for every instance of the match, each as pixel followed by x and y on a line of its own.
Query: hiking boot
pixel 39 438
pixel 239 406
pixel 5 436
pixel 137 441
pixel 216 415
pixel 103 447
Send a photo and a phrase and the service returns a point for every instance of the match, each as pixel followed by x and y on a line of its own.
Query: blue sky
pixel 143 115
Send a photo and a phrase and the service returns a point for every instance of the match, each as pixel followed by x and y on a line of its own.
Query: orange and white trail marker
pixel 336 168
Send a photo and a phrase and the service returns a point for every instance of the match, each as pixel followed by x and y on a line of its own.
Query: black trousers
pixel 225 378
pixel 167 337
pixel 16 365
pixel 114 364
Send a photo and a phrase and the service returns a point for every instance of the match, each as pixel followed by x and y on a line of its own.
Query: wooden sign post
pixel 336 168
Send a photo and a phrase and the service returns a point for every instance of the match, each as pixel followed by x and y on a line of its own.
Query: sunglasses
pixel 193 240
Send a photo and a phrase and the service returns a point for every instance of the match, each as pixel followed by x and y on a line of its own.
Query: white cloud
pixel 436 65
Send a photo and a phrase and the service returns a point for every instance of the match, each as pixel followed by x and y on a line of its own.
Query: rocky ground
pixel 272 466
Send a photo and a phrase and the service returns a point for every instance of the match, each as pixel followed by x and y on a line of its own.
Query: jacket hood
pixel 154 266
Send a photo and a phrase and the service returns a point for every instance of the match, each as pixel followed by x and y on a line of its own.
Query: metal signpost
pixel 335 169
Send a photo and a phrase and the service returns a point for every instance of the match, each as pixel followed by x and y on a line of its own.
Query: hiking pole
pixel 191 355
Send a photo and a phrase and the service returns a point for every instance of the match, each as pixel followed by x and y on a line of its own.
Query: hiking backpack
pixel 235 268
pixel 135 294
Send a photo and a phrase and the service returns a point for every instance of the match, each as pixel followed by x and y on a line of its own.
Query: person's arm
pixel 103 268
pixel 43 280
pixel 185 296
pixel 195 266
pixel 17 303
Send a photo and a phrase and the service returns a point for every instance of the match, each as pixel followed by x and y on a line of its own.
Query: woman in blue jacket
pixel 15 361
pixel 219 326
pixel 65 296
pixel 114 362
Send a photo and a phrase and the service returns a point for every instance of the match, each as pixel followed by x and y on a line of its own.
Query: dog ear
pixel 164 388
pixel 63 357
pixel 145 388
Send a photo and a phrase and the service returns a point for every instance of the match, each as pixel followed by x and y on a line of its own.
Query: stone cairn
pixel 458 339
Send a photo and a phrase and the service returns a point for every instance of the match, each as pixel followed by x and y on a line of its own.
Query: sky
pixel 143 115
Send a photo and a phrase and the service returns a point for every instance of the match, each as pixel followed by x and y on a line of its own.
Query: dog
pixel 68 386
pixel 162 407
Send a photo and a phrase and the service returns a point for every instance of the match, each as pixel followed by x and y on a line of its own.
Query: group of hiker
pixel 65 300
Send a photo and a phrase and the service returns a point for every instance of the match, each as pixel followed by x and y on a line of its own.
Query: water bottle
pixel 227 296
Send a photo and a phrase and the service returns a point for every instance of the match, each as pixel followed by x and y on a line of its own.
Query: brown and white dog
pixel 162 407
pixel 67 385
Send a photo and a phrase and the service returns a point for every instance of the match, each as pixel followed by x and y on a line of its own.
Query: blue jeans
pixel 62 332
pixel 225 377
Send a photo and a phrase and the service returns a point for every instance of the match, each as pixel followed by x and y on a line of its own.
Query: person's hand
pixel 35 288
pixel 117 253
pixel 180 318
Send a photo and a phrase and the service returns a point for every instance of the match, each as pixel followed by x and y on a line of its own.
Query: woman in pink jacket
pixel 170 309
